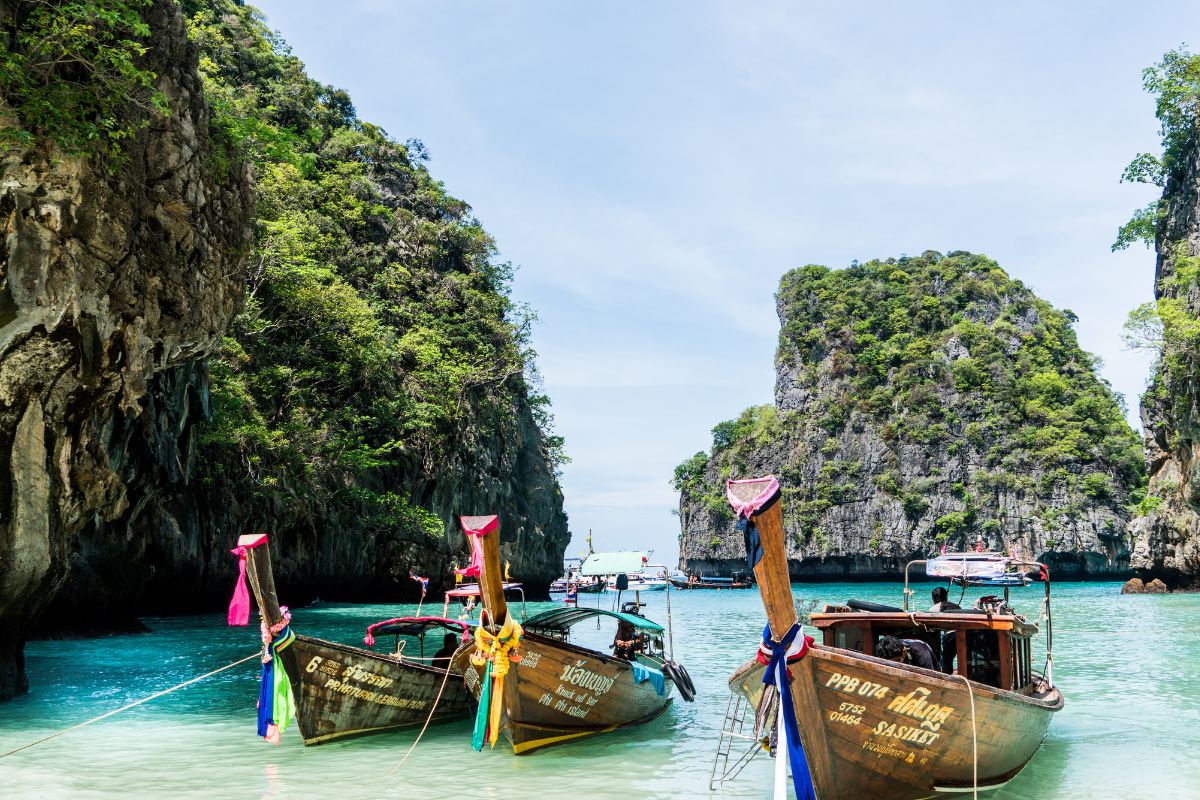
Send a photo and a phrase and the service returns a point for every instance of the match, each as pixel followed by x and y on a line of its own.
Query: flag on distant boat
pixel 423 581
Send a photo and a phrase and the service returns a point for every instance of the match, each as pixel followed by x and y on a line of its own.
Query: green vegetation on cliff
pixel 932 385
pixel 70 71
pixel 378 333
pixel 1167 325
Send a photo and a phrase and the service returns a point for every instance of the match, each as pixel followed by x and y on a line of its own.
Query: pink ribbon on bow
pixel 239 606
pixel 746 509
pixel 475 527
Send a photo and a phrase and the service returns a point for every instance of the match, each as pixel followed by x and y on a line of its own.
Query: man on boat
pixel 941 601
pixel 627 642
pixel 441 659
pixel 906 651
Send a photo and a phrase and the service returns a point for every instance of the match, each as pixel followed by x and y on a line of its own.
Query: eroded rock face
pixel 169 551
pixel 1166 541
pixel 922 402
pixel 106 281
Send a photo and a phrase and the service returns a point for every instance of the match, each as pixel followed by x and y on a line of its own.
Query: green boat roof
pixel 563 618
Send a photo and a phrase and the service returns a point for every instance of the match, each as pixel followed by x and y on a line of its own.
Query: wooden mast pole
pixel 491 578
pixel 771 572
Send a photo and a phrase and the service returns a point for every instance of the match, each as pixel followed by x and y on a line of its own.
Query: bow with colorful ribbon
pixel 776 655
pixel 496 651
pixel 276 704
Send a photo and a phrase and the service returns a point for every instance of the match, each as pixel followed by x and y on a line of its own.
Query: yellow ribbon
pixel 497 648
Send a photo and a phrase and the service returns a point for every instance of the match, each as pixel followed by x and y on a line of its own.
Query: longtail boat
pixel 538 687
pixel 710 582
pixel 865 726
pixel 334 690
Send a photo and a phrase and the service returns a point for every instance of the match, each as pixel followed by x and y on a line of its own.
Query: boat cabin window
pixel 850 637
pixel 999 658
pixel 983 657
pixel 1022 672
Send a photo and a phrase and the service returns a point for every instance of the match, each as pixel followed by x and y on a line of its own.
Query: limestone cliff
pixel 332 358
pixel 919 402
pixel 108 279
pixel 374 388
pixel 1167 536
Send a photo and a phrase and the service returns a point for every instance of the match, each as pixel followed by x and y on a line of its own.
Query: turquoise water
pixel 1127 665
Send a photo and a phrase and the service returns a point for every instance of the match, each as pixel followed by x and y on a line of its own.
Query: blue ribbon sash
pixel 801 778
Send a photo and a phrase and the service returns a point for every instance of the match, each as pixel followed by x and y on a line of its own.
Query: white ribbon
pixel 781 745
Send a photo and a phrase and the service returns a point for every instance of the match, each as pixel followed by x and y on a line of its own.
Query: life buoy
pixel 683 682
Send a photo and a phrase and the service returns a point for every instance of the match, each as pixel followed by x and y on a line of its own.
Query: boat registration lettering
pixel 905 733
pixel 586 679
pixel 916 705
pixel 893 752
pixel 848 714
pixel 852 685
pixel 370 678
pixel 341 687
pixel 326 665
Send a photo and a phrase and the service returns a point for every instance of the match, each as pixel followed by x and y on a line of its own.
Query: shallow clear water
pixel 1126 664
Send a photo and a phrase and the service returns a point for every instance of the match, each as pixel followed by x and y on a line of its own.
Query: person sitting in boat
pixel 628 642
pixel 905 651
pixel 942 601
pixel 441 659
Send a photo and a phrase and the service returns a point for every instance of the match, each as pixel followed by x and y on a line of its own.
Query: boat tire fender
pixel 683 682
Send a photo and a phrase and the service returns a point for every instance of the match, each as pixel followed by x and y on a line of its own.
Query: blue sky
pixel 654 168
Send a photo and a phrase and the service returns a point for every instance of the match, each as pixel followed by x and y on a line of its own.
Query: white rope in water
pixel 974 740
pixel 131 705
pixel 428 719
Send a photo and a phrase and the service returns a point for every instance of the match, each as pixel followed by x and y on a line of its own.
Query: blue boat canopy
pixel 560 619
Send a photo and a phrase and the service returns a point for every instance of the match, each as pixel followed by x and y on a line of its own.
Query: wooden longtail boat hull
pixel 873 728
pixel 558 692
pixel 347 691
pixel 341 690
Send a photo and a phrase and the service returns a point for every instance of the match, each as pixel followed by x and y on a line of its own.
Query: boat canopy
pixel 414 626
pixel 613 563
pixel 978 569
pixel 560 619
pixel 472 590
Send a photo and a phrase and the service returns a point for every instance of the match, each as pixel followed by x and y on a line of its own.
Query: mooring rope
pixel 131 705
pixel 974 740
pixel 428 719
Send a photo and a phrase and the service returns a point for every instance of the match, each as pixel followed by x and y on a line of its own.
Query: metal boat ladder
pixel 733 738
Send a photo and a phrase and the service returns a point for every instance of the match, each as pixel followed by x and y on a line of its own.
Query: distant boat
pixel 871 727
pixel 639 583
pixel 570 575
pixel 342 690
pixel 539 688
pixel 712 582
